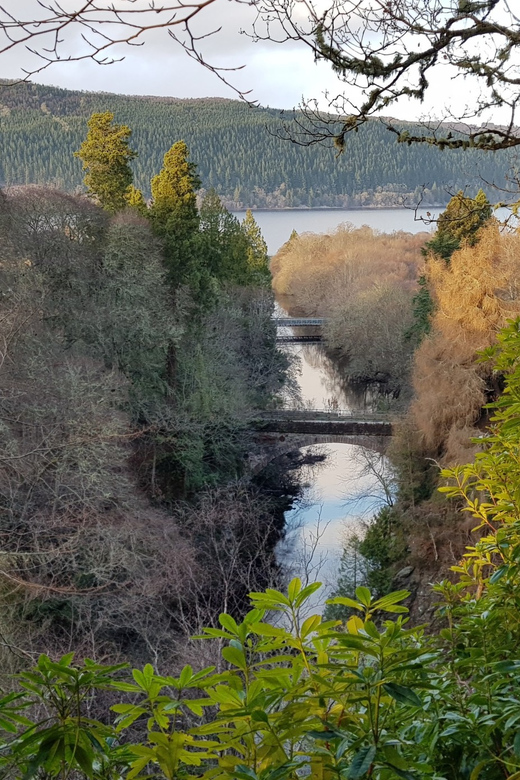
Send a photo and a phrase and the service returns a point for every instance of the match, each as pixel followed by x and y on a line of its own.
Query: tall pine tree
pixel 106 155
pixel 175 217
pixel 257 257
pixel 225 242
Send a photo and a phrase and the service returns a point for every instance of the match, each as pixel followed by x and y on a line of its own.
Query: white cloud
pixel 276 75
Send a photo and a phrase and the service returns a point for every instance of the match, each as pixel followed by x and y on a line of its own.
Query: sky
pixel 276 75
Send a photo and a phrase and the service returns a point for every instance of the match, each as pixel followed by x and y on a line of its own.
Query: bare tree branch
pixel 386 50
pixel 382 50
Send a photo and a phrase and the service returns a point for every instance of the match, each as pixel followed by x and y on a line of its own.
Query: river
pixel 340 493
pixel 344 491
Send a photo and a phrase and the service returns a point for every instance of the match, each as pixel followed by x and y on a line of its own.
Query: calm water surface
pixel 277 226
pixel 336 504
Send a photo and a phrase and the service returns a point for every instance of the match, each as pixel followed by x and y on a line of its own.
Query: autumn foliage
pixel 364 283
pixel 474 295
pixel 321 272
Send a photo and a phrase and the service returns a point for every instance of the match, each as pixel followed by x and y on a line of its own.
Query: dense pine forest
pixel 237 148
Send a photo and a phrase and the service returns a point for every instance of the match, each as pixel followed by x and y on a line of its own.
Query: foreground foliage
pixel 301 697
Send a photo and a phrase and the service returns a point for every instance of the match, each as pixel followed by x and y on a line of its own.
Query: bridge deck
pixel 325 427
pixel 325 414
pixel 324 423
pixel 296 322
pixel 298 339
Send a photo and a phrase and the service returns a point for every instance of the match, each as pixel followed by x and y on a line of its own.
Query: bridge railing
pixel 293 322
pixel 298 339
pixel 329 414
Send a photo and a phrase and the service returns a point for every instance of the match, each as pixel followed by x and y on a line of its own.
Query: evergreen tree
pixel 225 242
pixel 423 308
pixel 175 216
pixel 463 218
pixel 176 184
pixel 458 223
pixel 443 244
pixel 106 156
pixel 257 257
pixel 135 200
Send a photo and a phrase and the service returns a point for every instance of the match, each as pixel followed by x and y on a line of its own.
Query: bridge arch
pixel 269 447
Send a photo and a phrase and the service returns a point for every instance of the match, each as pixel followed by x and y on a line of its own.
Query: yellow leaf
pixel 354 624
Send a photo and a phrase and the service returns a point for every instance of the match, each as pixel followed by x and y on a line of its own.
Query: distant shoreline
pixel 342 208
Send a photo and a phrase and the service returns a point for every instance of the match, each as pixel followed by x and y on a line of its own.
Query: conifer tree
pixel 106 156
pixel 463 218
pixel 257 257
pixel 225 243
pixel 459 223
pixel 135 200
pixel 423 308
pixel 175 216
pixel 176 185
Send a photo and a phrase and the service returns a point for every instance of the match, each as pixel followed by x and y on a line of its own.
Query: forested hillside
pixel 236 148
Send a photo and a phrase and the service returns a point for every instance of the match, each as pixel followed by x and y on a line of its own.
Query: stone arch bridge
pixel 324 422
pixel 280 432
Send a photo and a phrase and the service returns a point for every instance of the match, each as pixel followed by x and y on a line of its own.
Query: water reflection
pixel 341 492
pixel 340 495
pixel 321 383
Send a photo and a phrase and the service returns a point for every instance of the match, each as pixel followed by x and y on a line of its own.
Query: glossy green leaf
pixel 234 656
pixel 345 602
pixel 363 595
pixel 361 762
pixel 227 622
pixel 403 694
